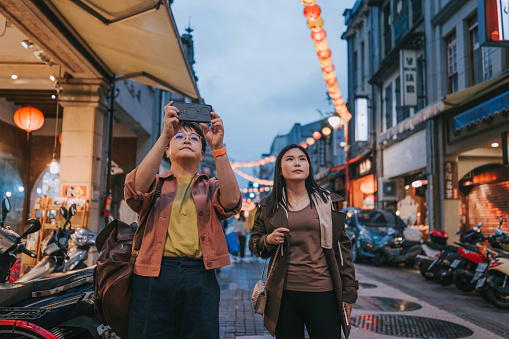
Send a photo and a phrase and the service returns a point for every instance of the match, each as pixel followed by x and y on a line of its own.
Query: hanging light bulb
pixel 54 167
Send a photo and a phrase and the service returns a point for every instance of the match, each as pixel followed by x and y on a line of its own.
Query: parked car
pixel 366 228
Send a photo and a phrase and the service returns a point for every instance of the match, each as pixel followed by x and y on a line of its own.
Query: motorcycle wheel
pixel 428 275
pixel 22 333
pixel 355 254
pixel 498 299
pixel 462 280
pixel 443 277
pixel 379 259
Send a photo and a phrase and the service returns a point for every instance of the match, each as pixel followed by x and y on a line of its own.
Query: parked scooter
pixel 54 248
pixel 432 247
pixel 83 239
pixel 444 266
pixel 399 247
pixel 469 266
pixel 11 243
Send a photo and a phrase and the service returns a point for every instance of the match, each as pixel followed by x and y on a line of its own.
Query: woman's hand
pixel 215 134
pixel 171 122
pixel 278 236
pixel 348 309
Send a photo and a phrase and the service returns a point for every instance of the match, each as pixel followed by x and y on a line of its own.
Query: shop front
pixel 363 183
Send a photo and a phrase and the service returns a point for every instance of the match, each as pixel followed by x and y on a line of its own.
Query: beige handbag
pixel 259 296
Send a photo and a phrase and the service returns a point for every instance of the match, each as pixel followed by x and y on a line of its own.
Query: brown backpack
pixel 114 271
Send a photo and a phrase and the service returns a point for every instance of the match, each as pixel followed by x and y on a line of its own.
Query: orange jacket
pixel 208 209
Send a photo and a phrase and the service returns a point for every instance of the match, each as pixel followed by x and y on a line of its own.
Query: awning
pixel 482 111
pixel 135 39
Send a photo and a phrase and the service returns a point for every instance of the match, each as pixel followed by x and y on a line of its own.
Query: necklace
pixel 298 202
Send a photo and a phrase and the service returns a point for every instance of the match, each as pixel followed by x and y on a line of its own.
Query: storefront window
pixel 412 208
pixel 11 186
pixel 49 186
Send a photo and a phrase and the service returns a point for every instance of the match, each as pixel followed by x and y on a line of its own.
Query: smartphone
pixel 193 112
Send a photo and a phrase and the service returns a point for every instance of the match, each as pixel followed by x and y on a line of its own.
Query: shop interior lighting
pixel 495 144
pixel 21 189
pixel 407 187
pixel 417 183
pixel 14 77
pixel 52 78
pixel 7 194
pixel 53 96
pixel 27 43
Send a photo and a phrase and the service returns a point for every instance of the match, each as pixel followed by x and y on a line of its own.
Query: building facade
pixel 438 106
pixel 100 77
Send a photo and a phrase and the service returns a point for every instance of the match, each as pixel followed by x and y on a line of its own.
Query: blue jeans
pixel 181 303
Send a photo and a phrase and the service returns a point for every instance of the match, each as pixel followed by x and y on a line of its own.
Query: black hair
pixel 242 216
pixel 198 129
pixel 276 197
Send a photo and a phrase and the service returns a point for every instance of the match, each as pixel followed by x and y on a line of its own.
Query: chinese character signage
pixel 451 180
pixel 493 18
pixel 408 76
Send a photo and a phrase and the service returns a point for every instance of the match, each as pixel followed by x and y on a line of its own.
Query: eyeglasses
pixel 193 137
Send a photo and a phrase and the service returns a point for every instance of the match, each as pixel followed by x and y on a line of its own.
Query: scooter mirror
pixel 479 224
pixel 31 226
pixel 6 205
pixel 501 220
pixel 63 212
pixel 72 210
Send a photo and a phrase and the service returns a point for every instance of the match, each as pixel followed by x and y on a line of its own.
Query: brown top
pixel 209 211
pixel 307 269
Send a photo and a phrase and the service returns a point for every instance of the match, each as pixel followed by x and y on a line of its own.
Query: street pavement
pixel 394 302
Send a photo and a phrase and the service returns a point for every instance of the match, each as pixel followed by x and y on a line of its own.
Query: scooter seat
pixel 14 293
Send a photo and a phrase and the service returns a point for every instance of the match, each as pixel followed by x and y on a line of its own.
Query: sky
pixel 256 65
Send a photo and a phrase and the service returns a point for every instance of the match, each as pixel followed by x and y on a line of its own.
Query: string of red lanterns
pixel 253 179
pixel 266 160
pixel 315 23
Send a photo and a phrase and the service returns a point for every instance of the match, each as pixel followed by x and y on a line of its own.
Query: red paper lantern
pixel 315 25
pixel 324 54
pixel 331 81
pixel 303 144
pixel 317 135
pixel 29 118
pixel 318 36
pixel 328 69
pixel 312 12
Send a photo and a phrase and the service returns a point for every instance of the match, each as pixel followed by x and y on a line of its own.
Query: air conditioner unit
pixel 391 190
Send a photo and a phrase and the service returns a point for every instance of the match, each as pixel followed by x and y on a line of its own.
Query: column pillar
pixel 82 155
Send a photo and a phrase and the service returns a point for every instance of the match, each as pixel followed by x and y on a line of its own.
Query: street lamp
pixel 334 121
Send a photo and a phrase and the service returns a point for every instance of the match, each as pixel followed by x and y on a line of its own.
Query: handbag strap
pixel 141 227
pixel 271 267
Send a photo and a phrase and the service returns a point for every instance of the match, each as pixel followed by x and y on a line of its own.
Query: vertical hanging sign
pixel 451 180
pixel 493 19
pixel 408 72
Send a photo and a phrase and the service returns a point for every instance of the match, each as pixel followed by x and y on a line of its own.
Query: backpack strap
pixel 141 227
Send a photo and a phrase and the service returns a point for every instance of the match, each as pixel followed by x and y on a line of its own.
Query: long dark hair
pixel 277 197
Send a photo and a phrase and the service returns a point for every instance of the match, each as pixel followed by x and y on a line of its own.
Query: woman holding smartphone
pixel 300 228
pixel 175 293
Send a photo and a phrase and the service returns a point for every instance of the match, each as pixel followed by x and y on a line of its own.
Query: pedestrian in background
pixel 239 226
pixel 175 293
pixel 313 279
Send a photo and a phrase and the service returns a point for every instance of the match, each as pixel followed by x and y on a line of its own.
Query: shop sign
pixel 361 119
pixel 74 191
pixel 451 180
pixel 338 139
pixel 408 78
pixel 493 19
pixel 364 168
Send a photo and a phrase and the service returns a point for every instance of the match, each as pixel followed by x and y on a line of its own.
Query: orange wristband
pixel 219 152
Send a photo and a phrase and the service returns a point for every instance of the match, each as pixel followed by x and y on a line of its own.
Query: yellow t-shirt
pixel 182 239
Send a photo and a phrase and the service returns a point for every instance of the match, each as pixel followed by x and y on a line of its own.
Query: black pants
pixel 181 303
pixel 242 245
pixel 317 310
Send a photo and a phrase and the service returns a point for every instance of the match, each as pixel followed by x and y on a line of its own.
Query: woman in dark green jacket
pixel 300 228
